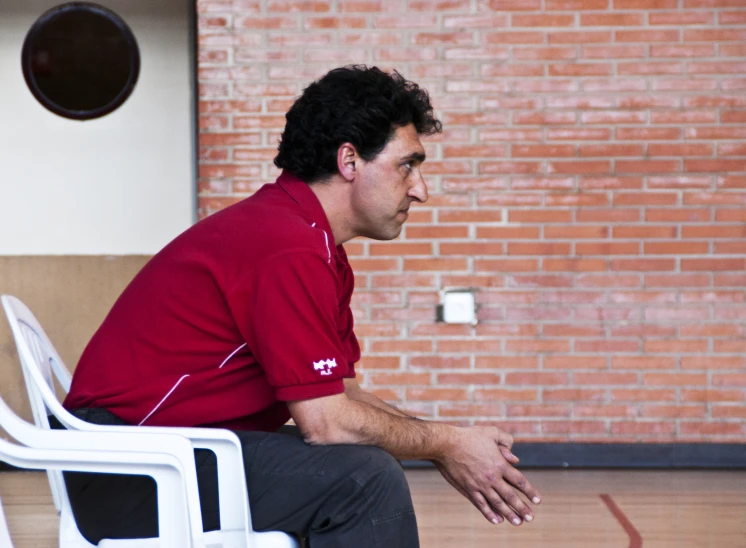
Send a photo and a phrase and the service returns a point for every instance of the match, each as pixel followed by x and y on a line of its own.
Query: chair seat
pixel 213 539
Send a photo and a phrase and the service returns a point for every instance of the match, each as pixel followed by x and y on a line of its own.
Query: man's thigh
pixel 306 489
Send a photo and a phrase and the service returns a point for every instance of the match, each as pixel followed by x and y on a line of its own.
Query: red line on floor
pixel 635 539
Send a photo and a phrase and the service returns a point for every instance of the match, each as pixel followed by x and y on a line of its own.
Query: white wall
pixel 121 184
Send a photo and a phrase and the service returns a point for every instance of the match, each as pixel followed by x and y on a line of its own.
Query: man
pixel 243 322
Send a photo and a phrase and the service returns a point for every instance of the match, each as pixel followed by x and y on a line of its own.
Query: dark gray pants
pixel 334 496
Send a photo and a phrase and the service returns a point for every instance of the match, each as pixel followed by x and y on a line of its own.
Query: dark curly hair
pixel 356 104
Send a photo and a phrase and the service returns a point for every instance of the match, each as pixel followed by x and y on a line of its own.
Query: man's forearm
pixel 364 396
pixel 345 420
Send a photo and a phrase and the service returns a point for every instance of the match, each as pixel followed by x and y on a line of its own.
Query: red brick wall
pixel 590 184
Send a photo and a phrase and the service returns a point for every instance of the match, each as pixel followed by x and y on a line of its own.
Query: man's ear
pixel 346 158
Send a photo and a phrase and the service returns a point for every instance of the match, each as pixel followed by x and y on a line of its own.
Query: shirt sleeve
pixel 289 314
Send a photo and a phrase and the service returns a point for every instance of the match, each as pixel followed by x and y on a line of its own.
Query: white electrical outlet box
pixel 459 307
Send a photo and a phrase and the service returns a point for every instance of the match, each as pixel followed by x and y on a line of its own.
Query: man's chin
pixel 385 236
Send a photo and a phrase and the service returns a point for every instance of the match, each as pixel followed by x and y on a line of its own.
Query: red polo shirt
pixel 246 310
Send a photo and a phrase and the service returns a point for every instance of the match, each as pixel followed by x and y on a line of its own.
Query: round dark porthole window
pixel 80 60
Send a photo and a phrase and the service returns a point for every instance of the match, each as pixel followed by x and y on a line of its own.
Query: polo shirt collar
pixel 302 194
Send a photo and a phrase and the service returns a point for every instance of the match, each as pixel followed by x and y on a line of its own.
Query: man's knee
pixel 381 478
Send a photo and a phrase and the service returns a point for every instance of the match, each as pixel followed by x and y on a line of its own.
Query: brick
pixel 580 69
pixel 544 118
pixel 644 4
pixel 644 231
pixel 508 168
pixel 681 314
pixel 575 232
pixel 713 198
pixel 574 265
pixel 507 232
pixel 489 21
pixel 729 379
pixel 684 149
pixel 674 411
pixel 692 215
pixel 607 248
pixel 728 412
pixel 605 378
pixel 702 101
pixel 726 215
pixel 536 378
pixel 474 151
pixel 713 264
pixel 679 84
pixel 514 410
pixel 470 249
pixel 503 394
pixel 436 232
pixel 642 428
pixel 674 280
pixel 643 265
pixel 713 363
pixel 594 134
pixel 685 117
pixel 647 35
pixel 469 346
pixel 608 280
pixel 675 379
pixel 438 362
pixel 570 330
pixel 713 395
pixel 539 216
pixel 542 183
pixel 580 166
pixel 648 166
pixel 714 35
pixel 574 362
pixel 627 51
pixel 645 198
pixel 675 247
pixel 446 264
pixel 733 428
pixel 573 427
pixel 680 18
pixel 379 362
pixel 515 248
pixel 643 395
pixel 617 215
pixel 538 346
pixel 658 68
pixel 670 346
pixel 579 37
pixel 437 394
pixel 399 378
pixel 397 249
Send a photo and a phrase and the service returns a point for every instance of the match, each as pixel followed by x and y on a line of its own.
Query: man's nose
pixel 418 190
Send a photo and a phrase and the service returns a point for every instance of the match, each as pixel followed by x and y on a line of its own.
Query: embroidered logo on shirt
pixel 324 367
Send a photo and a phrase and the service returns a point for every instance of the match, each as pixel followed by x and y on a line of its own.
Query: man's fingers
pixel 519 481
pixel 498 503
pixel 508 455
pixel 506 440
pixel 516 503
pixel 483 506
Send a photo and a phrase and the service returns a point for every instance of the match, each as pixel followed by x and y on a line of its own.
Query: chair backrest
pixel 39 361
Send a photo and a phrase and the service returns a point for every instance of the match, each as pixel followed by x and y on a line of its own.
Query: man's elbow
pixel 324 434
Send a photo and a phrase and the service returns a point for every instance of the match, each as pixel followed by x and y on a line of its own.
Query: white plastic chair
pixel 89 452
pixel 4 532
pixel 41 363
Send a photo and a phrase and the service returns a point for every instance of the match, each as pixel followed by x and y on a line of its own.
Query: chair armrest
pixel 232 495
pixel 165 469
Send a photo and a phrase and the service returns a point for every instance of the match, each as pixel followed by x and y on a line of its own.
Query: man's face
pixel 387 185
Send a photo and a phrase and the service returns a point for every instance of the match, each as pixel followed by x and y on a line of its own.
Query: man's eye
pixel 408 165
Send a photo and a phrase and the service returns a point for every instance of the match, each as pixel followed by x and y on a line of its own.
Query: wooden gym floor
pixel 581 509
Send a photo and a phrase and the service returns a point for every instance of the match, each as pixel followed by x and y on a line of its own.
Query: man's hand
pixel 479 466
